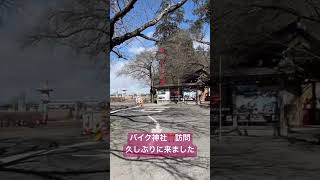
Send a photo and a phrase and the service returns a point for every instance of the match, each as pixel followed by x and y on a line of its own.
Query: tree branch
pixel 286 10
pixel 69 34
pixel 201 41
pixel 119 55
pixel 121 14
pixel 118 40
pixel 148 38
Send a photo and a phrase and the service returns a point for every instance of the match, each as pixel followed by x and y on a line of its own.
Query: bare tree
pixel 238 23
pixel 81 24
pixel 182 62
pixel 144 67
pixel 85 25
pixel 7 6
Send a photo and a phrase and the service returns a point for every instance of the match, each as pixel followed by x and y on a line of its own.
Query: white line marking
pixel 146 111
pixel 151 111
pixel 43 152
pixel 157 129
pixel 20 156
pixel 157 107
pixel 112 112
pixel 89 155
pixel 153 119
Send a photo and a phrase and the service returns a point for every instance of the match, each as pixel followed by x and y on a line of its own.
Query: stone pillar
pixel 199 96
pixel 285 99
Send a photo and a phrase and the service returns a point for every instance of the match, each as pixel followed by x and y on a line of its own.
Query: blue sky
pixel 142 12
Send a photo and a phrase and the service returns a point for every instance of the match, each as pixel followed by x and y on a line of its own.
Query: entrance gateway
pixel 187 92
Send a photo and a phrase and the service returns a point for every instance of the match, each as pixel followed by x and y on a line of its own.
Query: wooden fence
pixel 8 119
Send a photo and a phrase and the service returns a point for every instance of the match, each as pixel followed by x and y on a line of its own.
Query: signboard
pixel 177 145
pixel 260 103
pixel 163 95
pixel 254 100
pixel 190 94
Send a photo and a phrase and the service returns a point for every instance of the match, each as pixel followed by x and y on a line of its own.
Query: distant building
pixel 124 92
pixel 190 89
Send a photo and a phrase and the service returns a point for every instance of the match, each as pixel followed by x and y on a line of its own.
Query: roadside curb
pixel 206 106
pixel 310 139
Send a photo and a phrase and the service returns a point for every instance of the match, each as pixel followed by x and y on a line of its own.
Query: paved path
pixel 264 158
pixel 170 118
pixel 56 151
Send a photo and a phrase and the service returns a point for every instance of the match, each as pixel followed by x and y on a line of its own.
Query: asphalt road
pixel 56 151
pixel 59 151
pixel 171 118
pixel 264 158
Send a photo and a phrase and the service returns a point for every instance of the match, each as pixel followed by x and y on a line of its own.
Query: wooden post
pixel 151 83
pixel 178 90
pixel 220 102
pixel 314 103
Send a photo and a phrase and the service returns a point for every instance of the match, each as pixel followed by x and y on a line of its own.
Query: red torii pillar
pixel 162 65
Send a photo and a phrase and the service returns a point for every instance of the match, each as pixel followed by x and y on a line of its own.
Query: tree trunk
pixel 314 103
pixel 178 91
pixel 151 94
pixel 151 82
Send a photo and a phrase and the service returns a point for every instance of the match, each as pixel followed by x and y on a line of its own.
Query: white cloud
pixel 205 46
pixel 136 50
pixel 196 44
pixel 118 83
pixel 139 44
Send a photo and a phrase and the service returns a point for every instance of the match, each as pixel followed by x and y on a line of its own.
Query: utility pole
pixel 313 102
pixel 151 83
pixel 178 90
pixel 45 94
pixel 220 104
